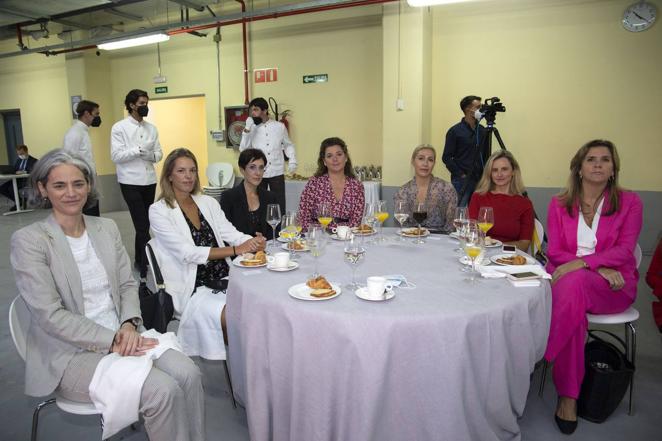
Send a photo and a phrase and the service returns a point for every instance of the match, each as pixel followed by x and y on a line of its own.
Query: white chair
pixel 540 233
pixel 19 319
pixel 213 171
pixel 155 273
pixel 626 318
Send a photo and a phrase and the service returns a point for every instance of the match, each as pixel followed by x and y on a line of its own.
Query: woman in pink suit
pixel 593 226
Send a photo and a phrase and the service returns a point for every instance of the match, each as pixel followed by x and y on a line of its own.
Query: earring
pixel 580 176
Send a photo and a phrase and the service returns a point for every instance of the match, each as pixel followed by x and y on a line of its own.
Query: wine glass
pixel 485 219
pixel 460 219
pixel 400 213
pixel 288 230
pixel 420 214
pixel 468 225
pixel 315 240
pixel 473 246
pixel 369 217
pixel 354 255
pixel 381 214
pixel 324 214
pixel 273 219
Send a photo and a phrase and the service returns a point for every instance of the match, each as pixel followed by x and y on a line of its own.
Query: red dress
pixel 513 215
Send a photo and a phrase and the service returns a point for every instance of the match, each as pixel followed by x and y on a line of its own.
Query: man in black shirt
pixel 460 155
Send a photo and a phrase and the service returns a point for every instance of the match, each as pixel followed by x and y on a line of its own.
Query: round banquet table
pixel 447 360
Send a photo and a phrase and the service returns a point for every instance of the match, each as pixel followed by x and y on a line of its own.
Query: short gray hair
pixel 43 168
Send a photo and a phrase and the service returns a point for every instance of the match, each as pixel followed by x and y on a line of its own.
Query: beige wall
pixel 567 71
pixel 3 142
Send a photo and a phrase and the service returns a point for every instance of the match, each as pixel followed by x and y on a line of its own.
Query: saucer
pixel 408 232
pixel 334 236
pixel 290 266
pixel 238 262
pixel 464 260
pixel 362 293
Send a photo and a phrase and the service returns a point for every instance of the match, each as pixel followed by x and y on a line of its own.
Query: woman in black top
pixel 245 205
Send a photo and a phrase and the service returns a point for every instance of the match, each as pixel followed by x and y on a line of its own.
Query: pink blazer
pixel 617 236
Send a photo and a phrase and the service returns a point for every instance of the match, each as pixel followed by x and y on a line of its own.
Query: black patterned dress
pixel 213 270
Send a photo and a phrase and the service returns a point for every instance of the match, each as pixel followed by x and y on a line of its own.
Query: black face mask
pixel 257 120
pixel 96 121
pixel 142 111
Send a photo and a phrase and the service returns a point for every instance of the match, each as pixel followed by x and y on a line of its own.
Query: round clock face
pixel 639 16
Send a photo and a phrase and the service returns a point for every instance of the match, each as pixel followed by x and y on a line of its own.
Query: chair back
pixel 19 321
pixel 538 236
pixel 154 268
pixel 212 173
pixel 637 255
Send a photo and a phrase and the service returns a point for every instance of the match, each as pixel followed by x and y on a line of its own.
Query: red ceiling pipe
pixel 244 43
pixel 280 14
pixel 65 51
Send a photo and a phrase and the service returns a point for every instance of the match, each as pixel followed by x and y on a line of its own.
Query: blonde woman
pixel 438 195
pixel 189 234
pixel 501 188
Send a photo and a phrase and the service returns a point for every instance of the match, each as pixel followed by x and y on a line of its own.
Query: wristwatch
pixel 135 321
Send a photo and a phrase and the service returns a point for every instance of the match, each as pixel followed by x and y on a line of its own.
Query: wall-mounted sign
pixel 162 89
pixel 317 78
pixel 265 75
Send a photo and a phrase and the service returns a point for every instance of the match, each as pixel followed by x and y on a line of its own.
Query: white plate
pixel 464 260
pixel 495 243
pixel 404 233
pixel 237 262
pixel 334 236
pixel 362 293
pixel 529 260
pixel 305 248
pixel 281 239
pixel 291 266
pixel 358 233
pixel 302 291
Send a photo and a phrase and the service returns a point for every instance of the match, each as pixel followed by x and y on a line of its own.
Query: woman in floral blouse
pixel 439 196
pixel 334 183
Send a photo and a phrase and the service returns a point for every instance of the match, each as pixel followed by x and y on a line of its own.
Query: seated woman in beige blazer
pixel 75 277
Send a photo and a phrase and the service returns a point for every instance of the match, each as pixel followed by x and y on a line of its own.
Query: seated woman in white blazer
pixel 189 231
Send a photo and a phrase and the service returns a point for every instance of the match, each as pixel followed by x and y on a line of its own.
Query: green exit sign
pixel 162 89
pixel 317 78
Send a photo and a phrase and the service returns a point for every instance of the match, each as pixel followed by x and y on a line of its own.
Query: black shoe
pixel 565 426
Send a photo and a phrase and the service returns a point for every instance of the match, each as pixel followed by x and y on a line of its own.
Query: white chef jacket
pixel 77 141
pixel 127 138
pixel 271 137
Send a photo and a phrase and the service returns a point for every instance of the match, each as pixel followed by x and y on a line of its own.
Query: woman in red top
pixel 334 183
pixel 501 188
pixel 654 280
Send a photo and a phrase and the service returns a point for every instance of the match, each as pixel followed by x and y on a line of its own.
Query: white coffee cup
pixel 279 260
pixel 342 231
pixel 376 285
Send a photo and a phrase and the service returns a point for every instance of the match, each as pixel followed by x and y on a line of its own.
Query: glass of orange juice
pixel 381 214
pixel 473 246
pixel 485 219
pixel 324 214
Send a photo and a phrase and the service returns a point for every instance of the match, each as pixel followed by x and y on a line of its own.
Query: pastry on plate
pixel 320 287
pixel 250 259
pixel 363 229
pixel 512 260
pixel 297 245
pixel 415 231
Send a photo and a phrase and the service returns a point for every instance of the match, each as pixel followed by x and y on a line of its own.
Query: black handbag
pixel 156 308
pixel 607 378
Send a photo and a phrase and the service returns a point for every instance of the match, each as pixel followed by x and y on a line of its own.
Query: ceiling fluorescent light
pixel 421 3
pixel 136 41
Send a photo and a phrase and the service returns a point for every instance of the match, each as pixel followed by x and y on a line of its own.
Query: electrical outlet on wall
pixel 400 104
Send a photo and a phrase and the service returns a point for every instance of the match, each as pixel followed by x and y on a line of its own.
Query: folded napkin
pixel 498 272
pixel 117 383
pixel 525 283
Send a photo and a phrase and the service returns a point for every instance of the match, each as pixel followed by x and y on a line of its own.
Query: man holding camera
pixel 272 138
pixel 461 155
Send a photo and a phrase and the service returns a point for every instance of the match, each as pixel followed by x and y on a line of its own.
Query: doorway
pixel 13 134
pixel 181 122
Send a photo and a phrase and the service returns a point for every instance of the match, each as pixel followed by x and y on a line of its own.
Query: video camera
pixel 489 109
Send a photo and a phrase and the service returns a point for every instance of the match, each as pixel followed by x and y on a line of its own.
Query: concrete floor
pixel 225 423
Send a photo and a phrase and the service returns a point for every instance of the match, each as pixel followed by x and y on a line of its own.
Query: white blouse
pixel 586 235
pixel 98 303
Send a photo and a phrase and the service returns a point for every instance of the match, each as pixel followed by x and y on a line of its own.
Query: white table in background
pixel 17 198
pixel 293 190
pixel 447 360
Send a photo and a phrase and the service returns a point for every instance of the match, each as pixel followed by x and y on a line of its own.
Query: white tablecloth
pixel 293 190
pixel 445 361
